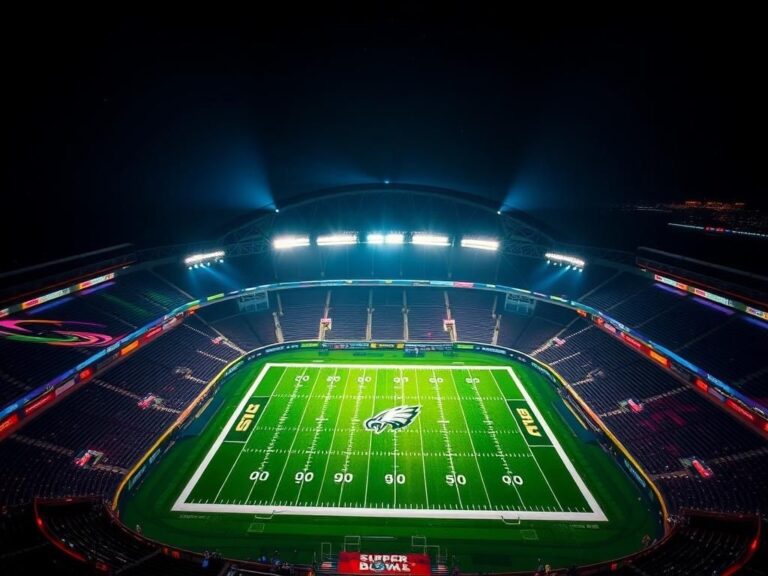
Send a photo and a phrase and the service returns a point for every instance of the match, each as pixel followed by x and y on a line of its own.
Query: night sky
pixel 161 133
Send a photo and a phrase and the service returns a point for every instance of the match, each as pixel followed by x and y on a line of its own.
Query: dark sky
pixel 127 131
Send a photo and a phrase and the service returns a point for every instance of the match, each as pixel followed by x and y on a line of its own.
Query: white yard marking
pixel 350 510
pixel 215 448
pixel 525 438
pixel 441 512
pixel 594 506
pixel 494 436
pixel 394 440
pixel 304 413
pixel 279 428
pixel 472 443
pixel 421 442
pixel 446 436
pixel 351 437
pixel 370 443
pixel 318 429
pixel 330 447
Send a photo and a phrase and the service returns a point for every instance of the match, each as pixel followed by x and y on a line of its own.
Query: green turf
pixel 487 470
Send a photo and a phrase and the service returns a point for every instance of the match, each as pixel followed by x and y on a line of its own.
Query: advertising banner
pixel 385 564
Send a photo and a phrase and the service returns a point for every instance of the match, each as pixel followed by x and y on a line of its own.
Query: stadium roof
pixel 161 134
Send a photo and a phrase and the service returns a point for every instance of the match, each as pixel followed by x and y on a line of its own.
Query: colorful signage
pixel 659 358
pixel 384 564
pixel 39 403
pixel 9 423
pixel 129 348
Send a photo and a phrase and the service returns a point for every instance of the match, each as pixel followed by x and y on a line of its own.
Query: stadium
pixel 452 398
pixel 414 291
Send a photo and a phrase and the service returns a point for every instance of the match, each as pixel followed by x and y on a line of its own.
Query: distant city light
pixel 564 259
pixel 286 242
pixel 480 244
pixel 337 239
pixel 199 258
pixel 429 239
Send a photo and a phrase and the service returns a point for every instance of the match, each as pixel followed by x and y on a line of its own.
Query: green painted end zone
pixel 465 450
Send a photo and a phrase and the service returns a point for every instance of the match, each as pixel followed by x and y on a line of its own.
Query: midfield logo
pixel 397 417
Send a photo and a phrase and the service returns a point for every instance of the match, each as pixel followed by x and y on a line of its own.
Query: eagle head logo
pixel 397 417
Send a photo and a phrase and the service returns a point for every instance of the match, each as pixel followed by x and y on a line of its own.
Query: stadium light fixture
pixel 337 239
pixel 390 238
pixel 480 244
pixel 287 242
pixel 429 239
pixel 561 259
pixel 202 258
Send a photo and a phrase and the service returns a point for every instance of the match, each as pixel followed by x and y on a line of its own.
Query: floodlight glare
pixel 195 258
pixel 390 238
pixel 429 239
pixel 480 244
pixel 565 259
pixel 337 239
pixel 286 242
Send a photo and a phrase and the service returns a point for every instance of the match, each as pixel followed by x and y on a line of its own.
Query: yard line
pixel 394 440
pixel 449 450
pixel 370 442
pixel 240 453
pixel 351 438
pixel 421 442
pixel 526 443
pixel 385 366
pixel 594 506
pixel 280 428
pixel 318 430
pixel 471 443
pixel 493 434
pixel 330 447
pixel 288 457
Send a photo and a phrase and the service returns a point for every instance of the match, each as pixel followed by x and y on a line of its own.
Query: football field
pixel 410 440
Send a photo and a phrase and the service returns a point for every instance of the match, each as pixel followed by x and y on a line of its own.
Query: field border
pixel 181 505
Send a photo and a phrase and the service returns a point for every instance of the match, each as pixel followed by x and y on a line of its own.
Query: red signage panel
pixel 39 403
pixel 701 385
pixel 9 423
pixel 384 564
pixel 740 410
